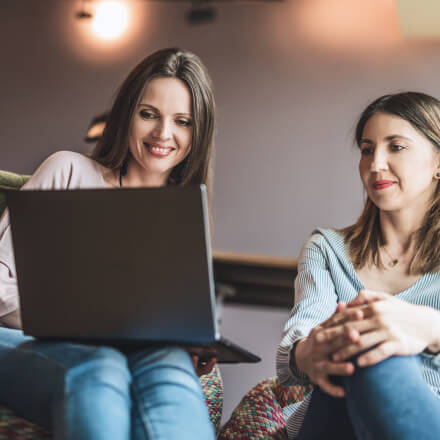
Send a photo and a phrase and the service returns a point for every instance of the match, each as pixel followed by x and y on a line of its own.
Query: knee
pixel 100 367
pixel 164 365
pixel 388 374
pixel 175 357
pixel 169 357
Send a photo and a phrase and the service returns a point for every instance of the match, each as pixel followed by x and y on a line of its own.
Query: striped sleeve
pixel 315 301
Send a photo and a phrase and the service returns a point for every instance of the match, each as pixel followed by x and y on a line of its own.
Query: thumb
pixel 367 296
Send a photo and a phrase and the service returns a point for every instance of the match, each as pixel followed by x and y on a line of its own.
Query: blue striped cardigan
pixel 325 277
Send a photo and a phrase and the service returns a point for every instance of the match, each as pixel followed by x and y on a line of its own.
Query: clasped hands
pixel 365 331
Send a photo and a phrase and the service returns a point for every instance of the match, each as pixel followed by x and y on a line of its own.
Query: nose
pixel 379 160
pixel 162 130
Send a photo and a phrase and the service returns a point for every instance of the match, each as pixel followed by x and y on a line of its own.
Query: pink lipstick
pixel 382 184
pixel 159 150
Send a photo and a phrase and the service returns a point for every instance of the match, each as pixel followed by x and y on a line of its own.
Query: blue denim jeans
pixel 387 401
pixel 97 392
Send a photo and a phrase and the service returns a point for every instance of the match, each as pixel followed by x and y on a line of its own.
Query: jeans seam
pixel 147 425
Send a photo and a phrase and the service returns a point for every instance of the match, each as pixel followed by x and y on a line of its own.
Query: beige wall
pixel 289 87
pixel 287 102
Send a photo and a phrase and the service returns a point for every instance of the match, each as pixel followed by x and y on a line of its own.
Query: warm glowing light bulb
pixel 110 19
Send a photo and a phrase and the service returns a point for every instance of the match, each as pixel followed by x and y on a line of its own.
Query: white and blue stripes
pixel 325 277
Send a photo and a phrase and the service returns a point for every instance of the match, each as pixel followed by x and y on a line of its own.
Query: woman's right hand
pixel 314 359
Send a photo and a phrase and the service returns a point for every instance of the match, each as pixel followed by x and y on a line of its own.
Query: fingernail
pixel 361 361
pixel 320 337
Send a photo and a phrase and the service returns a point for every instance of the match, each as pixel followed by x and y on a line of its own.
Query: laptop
pixel 129 267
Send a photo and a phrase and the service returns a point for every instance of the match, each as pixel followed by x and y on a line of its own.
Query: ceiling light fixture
pixel 109 18
pixel 84 12
pixel 201 11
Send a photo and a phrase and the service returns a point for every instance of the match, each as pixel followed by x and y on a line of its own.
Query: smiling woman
pixel 166 126
pixel 159 132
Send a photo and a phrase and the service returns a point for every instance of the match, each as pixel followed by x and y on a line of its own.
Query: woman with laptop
pixel 365 327
pixel 159 132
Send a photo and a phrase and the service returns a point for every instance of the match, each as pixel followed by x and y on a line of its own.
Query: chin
pixel 384 205
pixel 389 207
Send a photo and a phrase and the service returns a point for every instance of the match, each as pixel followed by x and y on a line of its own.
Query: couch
pixel 258 416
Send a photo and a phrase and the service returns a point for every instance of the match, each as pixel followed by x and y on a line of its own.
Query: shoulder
pixel 326 238
pixel 67 159
pixel 65 169
pixel 326 245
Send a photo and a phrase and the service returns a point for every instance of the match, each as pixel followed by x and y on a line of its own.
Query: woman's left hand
pixel 381 326
pixel 203 359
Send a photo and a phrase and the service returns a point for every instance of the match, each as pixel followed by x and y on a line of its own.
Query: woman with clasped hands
pixel 365 327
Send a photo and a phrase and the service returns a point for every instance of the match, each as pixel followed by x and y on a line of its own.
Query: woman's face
pixel 161 130
pixel 398 164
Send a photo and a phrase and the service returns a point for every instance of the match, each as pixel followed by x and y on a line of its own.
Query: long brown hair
pixel 112 148
pixel 365 237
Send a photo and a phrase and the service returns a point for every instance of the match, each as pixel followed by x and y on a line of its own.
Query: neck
pixel 399 229
pixel 137 177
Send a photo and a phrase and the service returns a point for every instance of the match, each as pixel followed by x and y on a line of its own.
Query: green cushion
pixel 9 181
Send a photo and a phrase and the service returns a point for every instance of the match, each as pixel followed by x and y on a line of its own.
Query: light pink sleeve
pixel 8 278
pixel 62 170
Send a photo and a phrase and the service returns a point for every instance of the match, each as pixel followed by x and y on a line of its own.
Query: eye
pixel 147 114
pixel 184 122
pixel 396 147
pixel 366 151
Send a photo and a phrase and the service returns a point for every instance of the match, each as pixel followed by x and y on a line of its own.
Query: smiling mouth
pixel 159 150
pixel 382 184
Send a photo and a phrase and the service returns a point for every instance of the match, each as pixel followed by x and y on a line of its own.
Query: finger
pixel 337 323
pixel 330 368
pixel 195 361
pixel 205 366
pixel 366 341
pixel 377 354
pixel 367 296
pixel 342 318
pixel 341 307
pixel 328 387
pixel 336 319
pixel 335 336
pixel 351 329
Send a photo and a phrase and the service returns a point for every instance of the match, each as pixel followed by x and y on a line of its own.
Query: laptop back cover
pixel 115 264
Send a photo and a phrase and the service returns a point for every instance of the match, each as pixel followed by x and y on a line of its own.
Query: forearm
pixel 12 320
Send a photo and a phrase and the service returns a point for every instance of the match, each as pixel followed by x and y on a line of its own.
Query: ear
pixel 437 166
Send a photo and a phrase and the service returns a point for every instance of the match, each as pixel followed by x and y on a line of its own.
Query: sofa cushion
pixel 9 180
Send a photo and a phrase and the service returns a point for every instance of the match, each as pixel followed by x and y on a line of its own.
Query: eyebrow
pixel 388 138
pixel 157 110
